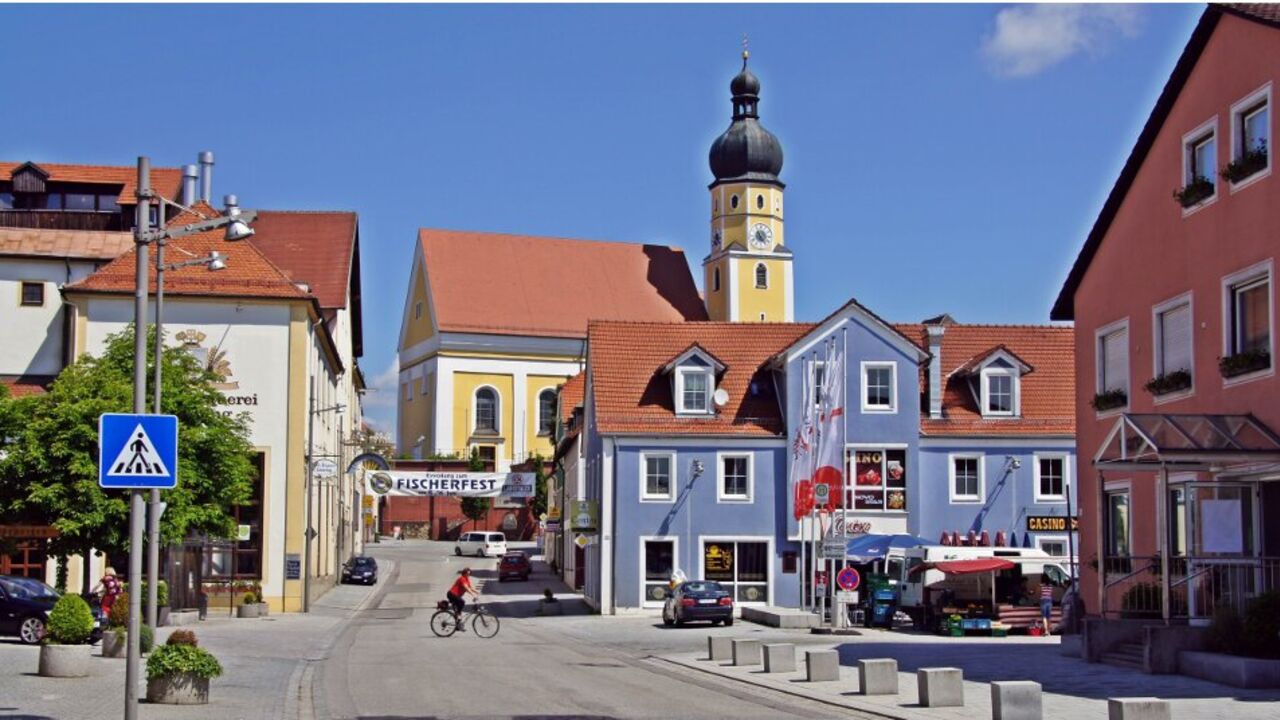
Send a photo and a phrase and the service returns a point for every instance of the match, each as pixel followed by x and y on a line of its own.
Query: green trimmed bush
pixel 70 622
pixel 146 637
pixel 182 637
pixel 1262 625
pixel 174 659
pixel 250 598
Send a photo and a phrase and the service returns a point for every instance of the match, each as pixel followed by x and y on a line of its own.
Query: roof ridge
pixel 307 212
pixel 41 163
pixel 547 238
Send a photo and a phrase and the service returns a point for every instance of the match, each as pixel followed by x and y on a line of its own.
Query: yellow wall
pixel 420 328
pixel 416 417
pixel 717 307
pixel 753 301
pixel 535 443
pixel 295 472
pixel 464 387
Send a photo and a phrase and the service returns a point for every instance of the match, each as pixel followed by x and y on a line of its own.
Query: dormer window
pixel 999 378
pixel 998 392
pixel 693 381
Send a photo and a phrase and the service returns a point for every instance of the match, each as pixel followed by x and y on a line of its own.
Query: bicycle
pixel 483 622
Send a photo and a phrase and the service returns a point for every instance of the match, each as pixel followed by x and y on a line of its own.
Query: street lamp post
pixel 309 507
pixel 143 236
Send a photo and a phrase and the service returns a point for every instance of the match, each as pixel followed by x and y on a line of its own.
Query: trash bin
pixel 884 604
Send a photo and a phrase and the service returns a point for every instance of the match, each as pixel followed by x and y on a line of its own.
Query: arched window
pixel 715 280
pixel 486 410
pixel 762 276
pixel 733 201
pixel 546 412
pixel 759 202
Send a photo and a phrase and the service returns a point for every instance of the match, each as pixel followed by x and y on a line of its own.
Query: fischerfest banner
pixel 463 484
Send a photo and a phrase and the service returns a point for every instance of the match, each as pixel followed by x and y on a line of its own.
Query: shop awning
pixel 876 546
pixel 966 567
pixel 1186 442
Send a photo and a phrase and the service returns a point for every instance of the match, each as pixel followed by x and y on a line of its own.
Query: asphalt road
pixel 387 663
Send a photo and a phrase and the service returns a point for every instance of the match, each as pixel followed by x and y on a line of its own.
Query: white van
pixel 1031 563
pixel 481 544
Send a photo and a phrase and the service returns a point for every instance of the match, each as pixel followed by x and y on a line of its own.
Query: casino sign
pixel 1051 523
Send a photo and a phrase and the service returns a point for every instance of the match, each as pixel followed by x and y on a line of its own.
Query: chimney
pixel 935 369
pixel 206 176
pixel 231 205
pixel 190 175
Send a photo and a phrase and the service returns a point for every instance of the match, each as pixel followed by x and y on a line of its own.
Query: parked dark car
pixel 695 600
pixel 24 609
pixel 514 565
pixel 360 569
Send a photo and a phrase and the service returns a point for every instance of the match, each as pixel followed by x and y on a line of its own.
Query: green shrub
pixel 172 659
pixel 162 594
pixel 182 637
pixel 70 621
pixel 1226 632
pixel 1262 625
pixel 250 598
pixel 119 614
pixel 147 637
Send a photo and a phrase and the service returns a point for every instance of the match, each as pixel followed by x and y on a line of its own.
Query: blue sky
pixel 938 158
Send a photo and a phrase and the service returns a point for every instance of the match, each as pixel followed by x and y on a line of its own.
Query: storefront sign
pixel 583 517
pixel 28 532
pixel 366 501
pixel 463 484
pixel 850 527
pixel 293 566
pixel 244 533
pixel 880 480
pixel 1051 523
pixel 718 558
pixel 324 468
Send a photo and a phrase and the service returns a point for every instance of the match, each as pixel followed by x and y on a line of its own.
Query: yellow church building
pixel 482 353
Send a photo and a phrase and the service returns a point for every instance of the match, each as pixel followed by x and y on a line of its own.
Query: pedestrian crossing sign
pixel 137 451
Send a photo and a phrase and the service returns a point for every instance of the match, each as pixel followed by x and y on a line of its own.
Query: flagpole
pixel 795 483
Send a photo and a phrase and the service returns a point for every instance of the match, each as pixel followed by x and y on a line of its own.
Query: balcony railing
pixel 1198 585
pixel 62 220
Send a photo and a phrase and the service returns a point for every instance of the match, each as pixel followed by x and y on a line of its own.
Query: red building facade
pixel 1173 300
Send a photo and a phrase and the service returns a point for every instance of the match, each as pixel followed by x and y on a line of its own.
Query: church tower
pixel 747 277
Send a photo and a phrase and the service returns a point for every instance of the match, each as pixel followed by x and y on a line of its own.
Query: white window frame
pixel 681 372
pixel 815 368
pixel 978 499
pixel 1040 498
pixel 1099 362
pixel 1015 401
pixel 1253 273
pixel 1157 340
pixel 892 407
pixel 645 495
pixel 774 564
pixel 1208 128
pixel 675 564
pixel 1249 102
pixel 1066 544
pixel 497 410
pixel 721 495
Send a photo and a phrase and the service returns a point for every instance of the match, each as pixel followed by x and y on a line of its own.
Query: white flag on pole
pixel 830 460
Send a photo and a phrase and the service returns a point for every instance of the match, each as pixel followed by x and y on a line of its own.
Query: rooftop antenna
pixel 745 54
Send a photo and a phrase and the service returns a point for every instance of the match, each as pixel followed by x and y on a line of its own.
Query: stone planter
pixel 114 645
pixel 264 609
pixel 66 661
pixel 1241 672
pixel 162 616
pixel 180 689
pixel 248 610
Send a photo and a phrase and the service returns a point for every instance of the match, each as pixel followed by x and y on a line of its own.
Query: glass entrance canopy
pixel 1186 442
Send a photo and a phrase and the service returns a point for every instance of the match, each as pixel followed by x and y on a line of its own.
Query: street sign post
pixel 848 579
pixel 137 451
pixel 834 548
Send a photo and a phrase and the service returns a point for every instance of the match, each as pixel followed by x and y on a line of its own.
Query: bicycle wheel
pixel 443 623
pixel 484 624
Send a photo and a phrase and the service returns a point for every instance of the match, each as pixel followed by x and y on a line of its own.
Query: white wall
pixel 33 336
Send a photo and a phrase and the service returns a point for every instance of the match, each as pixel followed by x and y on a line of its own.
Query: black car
pixel 24 609
pixel 698 600
pixel 360 569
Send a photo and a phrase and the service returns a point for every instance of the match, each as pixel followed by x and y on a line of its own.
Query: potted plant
pixel 65 652
pixel 264 609
pixel 1195 192
pixel 1247 164
pixel 1110 400
pixel 1169 382
pixel 248 606
pixel 1244 362
pixel 179 671
pixel 115 641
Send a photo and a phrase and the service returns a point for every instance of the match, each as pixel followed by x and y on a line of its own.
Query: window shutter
pixel 1175 339
pixel 1115 351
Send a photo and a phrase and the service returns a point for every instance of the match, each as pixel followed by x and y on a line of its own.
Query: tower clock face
pixel 761 237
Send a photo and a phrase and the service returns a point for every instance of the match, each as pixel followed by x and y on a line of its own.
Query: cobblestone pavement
pixel 264 663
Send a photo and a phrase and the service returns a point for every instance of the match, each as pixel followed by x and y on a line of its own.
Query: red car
pixel 514 565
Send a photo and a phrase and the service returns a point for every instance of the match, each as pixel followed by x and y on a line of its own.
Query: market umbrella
pixel 875 546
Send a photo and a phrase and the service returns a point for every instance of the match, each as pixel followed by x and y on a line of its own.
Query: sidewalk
pixel 263 661
pixel 1072 688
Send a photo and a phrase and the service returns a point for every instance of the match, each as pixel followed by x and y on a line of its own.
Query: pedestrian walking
pixel 110 588
pixel 1046 602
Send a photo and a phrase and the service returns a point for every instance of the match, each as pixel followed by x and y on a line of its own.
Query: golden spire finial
pixel 745 54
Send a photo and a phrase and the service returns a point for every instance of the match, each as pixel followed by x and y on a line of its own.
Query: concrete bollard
pixel 746 652
pixel 822 665
pixel 940 687
pixel 719 648
pixel 1143 708
pixel 878 677
pixel 779 658
pixel 1016 700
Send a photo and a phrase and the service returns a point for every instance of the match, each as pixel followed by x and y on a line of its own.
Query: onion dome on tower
pixel 746 151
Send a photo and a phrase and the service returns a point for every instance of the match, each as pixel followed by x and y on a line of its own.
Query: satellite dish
pixel 721 397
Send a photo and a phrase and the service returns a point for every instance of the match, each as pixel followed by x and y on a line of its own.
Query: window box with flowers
pixel 1251 162
pixel 1170 382
pixel 1244 362
pixel 1193 193
pixel 1110 400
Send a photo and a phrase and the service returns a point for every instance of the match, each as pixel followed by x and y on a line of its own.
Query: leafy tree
pixel 538 504
pixel 476 508
pixel 49 468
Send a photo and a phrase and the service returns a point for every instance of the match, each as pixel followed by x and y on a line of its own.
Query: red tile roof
pixel 313 247
pixel 632 395
pixel 571 395
pixel 166 181
pixel 79 244
pixel 24 385
pixel 1047 392
pixel 525 285
pixel 249 273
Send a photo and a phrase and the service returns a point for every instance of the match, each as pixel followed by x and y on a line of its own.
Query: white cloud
pixel 1030 38
pixel 380 399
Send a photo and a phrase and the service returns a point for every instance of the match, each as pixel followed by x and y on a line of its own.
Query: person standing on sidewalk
pixel 1046 602
pixel 110 588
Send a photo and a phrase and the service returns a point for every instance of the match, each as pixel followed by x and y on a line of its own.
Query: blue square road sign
pixel 137 451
